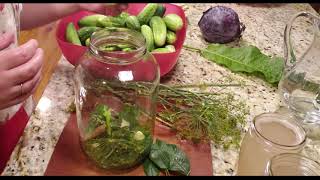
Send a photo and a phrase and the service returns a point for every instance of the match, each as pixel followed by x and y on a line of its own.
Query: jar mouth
pixel 290 160
pixel 116 37
pixel 280 118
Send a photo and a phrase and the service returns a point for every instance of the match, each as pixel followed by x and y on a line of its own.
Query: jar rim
pixel 119 34
pixel 270 142
pixel 310 164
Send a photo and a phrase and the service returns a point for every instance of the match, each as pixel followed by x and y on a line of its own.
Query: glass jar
pixel 116 93
pixel 288 164
pixel 270 134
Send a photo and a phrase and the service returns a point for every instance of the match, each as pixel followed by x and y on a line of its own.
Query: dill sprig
pixel 196 115
pixel 202 116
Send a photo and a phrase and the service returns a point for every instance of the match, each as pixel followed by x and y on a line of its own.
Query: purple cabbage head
pixel 220 24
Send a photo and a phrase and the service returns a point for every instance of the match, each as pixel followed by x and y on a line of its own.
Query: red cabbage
pixel 220 24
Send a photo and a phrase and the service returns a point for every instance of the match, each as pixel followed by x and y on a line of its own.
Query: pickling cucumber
pixel 91 20
pixel 146 14
pixel 72 35
pixel 173 22
pixel 148 35
pixel 159 30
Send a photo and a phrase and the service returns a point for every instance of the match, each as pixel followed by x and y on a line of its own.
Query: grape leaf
pixel 179 161
pixel 160 154
pixel 169 157
pixel 247 59
pixel 150 169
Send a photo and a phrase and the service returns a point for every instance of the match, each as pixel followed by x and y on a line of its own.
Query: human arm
pixel 38 14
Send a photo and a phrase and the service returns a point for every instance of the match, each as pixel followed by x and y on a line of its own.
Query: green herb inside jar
pixel 116 141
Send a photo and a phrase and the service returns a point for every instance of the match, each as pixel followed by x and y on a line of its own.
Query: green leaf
pixel 160 154
pixel 179 161
pixel 150 169
pixel 169 157
pixel 107 116
pixel 96 118
pixel 247 59
pixel 130 114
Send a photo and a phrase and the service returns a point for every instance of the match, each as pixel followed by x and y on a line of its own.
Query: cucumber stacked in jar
pixel 158 29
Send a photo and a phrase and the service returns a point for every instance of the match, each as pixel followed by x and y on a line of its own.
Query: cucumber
pixel 124 15
pixel 72 35
pixel 123 46
pixel 160 10
pixel 146 14
pixel 87 43
pixel 148 35
pixel 159 30
pixel 85 32
pixel 110 21
pixel 171 37
pixel 132 22
pixel 161 50
pixel 166 49
pixel 171 48
pixel 127 49
pixel 109 48
pixel 173 22
pixel 119 20
pixel 90 20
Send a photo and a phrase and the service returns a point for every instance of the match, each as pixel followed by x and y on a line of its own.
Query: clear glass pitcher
pixel 300 85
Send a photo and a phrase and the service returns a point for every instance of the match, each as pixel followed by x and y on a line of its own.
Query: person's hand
pixel 20 70
pixel 104 8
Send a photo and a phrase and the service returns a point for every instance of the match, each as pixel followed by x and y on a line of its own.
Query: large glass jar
pixel 270 134
pixel 116 93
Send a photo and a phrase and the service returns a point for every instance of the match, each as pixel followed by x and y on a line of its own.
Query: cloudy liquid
pixel 270 137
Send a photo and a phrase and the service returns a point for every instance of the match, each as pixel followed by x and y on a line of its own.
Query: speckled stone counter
pixel 264 28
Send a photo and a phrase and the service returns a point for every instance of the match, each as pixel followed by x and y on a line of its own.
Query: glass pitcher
pixel 300 85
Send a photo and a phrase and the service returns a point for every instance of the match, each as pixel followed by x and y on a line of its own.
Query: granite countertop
pixel 264 28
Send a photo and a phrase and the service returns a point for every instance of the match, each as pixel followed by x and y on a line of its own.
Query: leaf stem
pixel 191 48
pixel 167 172
pixel 164 122
pixel 204 85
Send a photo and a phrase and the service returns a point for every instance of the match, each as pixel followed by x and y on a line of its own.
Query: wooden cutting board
pixel 69 160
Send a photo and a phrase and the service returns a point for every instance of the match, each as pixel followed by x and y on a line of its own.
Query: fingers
pixel 116 9
pixel 6 39
pixel 123 6
pixel 1 6
pixel 27 86
pixel 17 100
pixel 20 98
pixel 14 57
pixel 94 7
pixel 28 70
pixel 104 8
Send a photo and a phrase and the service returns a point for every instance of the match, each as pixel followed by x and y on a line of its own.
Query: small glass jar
pixel 289 164
pixel 270 134
pixel 116 93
